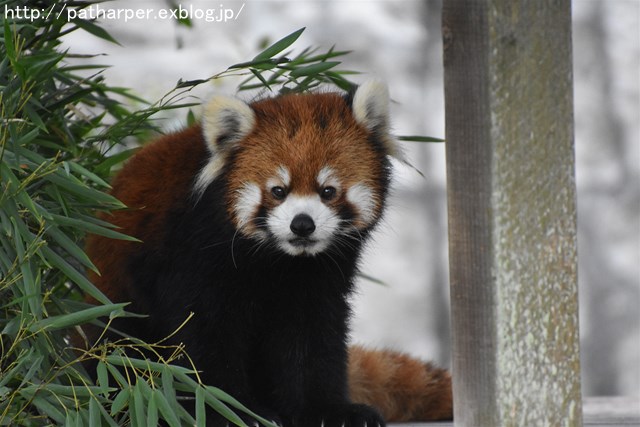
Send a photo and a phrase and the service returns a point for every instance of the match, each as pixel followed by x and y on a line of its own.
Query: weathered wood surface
pixel 512 212
pixel 598 412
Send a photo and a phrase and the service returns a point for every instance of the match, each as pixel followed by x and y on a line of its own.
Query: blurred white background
pixel 399 41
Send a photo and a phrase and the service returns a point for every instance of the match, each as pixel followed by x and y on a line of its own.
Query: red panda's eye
pixel 278 192
pixel 328 193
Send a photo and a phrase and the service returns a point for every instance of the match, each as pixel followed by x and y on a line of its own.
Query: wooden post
pixel 512 212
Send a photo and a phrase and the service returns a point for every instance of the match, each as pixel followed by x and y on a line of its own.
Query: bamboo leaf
pixel 279 46
pixel 74 275
pixel 94 29
pixel 35 364
pixel 201 414
pixel 137 405
pixel 222 396
pixel 90 225
pixel 259 77
pixel 417 138
pixel 78 317
pixel 68 245
pixel 77 168
pixel 168 413
pixel 94 413
pixel 58 390
pixel 372 279
pixel 103 377
pixel 215 403
pixel 152 409
pixel 45 407
pixel 313 69
pixel 120 401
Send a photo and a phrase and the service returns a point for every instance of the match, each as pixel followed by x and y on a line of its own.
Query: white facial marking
pixel 247 204
pixel 284 175
pixel 325 220
pixel 283 179
pixel 328 177
pixel 362 198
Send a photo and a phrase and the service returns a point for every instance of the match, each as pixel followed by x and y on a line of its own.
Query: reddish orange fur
pixel 400 387
pixel 163 170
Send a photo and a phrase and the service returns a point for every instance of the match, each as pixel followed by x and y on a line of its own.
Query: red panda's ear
pixel 225 121
pixel 371 109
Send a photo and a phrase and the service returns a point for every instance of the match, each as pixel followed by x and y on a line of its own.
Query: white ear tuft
pixel 225 121
pixel 371 105
pixel 371 109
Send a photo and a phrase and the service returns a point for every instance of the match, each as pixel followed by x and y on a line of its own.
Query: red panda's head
pixel 303 171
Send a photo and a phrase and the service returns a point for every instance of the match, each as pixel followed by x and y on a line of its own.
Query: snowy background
pixel 400 41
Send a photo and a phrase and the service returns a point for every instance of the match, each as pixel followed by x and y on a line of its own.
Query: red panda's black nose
pixel 302 225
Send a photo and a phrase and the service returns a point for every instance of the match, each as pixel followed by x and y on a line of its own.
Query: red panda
pixel 254 221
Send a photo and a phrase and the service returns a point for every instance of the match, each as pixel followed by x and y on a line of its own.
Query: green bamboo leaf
pixel 90 225
pixel 190 83
pixel 259 76
pixel 167 384
pixel 223 396
pixel 35 117
pixel 313 69
pixel 322 57
pixel 94 29
pixel 372 279
pixel 30 285
pixel 94 413
pixel 152 409
pixel 105 415
pixel 73 186
pixel 261 64
pixel 78 317
pixel 201 414
pixel 167 410
pixel 211 400
pixel 69 245
pixel 74 275
pixel 104 168
pixel 191 117
pixel 17 369
pixel 103 377
pixel 71 420
pixel 279 46
pixel 28 137
pixel 179 372
pixel 137 405
pixel 79 169
pixel 46 407
pixel 60 390
pixel 122 398
pixel 418 138
pixel 338 80
pixel 9 45
pixel 117 375
pixel 35 365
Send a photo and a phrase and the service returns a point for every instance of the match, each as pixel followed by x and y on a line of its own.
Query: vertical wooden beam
pixel 512 212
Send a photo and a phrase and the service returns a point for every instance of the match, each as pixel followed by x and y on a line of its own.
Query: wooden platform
pixel 598 412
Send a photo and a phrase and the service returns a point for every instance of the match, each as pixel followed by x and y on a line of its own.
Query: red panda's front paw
pixel 347 415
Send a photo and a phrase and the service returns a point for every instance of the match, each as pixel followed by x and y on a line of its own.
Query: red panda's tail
pixel 400 387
